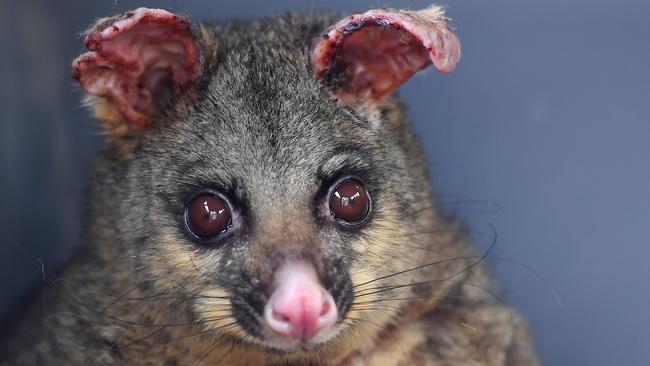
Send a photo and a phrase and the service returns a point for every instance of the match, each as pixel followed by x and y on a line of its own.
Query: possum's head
pixel 265 175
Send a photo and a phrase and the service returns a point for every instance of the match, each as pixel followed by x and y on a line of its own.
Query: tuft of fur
pixel 264 128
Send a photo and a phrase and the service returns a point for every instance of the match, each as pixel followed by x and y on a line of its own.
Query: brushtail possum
pixel 261 200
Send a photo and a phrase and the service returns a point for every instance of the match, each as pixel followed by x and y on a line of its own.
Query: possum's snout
pixel 299 307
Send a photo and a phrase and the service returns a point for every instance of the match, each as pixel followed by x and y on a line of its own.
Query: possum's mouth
pixel 299 314
pixel 286 345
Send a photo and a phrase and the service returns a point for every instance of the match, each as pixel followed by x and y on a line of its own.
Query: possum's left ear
pixel 136 61
pixel 367 56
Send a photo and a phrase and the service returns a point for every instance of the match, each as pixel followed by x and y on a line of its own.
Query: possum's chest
pixel 473 335
pixel 485 335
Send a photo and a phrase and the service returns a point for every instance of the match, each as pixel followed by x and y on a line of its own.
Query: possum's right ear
pixel 136 61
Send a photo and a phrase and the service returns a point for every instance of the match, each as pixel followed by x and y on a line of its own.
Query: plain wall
pixel 543 133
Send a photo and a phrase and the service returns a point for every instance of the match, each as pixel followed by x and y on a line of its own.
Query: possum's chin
pixel 285 344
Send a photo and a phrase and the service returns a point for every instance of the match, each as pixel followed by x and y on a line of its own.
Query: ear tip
pixel 81 64
pixel 108 28
pixel 448 53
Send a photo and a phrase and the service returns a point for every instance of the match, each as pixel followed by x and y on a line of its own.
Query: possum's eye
pixel 349 201
pixel 207 215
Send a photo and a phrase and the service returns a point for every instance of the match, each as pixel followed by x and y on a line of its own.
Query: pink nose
pixel 299 307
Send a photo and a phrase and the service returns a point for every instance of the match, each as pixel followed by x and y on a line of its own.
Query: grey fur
pixel 267 130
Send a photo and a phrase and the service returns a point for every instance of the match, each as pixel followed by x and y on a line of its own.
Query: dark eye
pixel 349 201
pixel 207 215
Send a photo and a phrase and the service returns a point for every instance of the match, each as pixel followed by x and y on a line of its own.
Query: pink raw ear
pixel 367 56
pixel 134 57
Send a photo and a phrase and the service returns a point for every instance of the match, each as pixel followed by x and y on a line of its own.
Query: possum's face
pixel 270 187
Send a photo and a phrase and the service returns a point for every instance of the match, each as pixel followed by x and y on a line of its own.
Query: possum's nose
pixel 299 307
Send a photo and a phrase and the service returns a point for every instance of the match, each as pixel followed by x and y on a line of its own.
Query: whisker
pixel 480 259
pixel 390 334
pixel 216 345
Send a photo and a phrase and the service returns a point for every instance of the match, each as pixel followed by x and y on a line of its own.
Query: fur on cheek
pixel 372 307
pixel 177 268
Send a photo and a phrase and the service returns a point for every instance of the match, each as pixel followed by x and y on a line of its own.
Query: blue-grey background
pixel 543 132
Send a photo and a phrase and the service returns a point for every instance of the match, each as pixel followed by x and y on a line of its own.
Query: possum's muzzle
pixel 300 308
pixel 298 311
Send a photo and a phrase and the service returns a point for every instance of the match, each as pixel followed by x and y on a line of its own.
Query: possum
pixel 261 200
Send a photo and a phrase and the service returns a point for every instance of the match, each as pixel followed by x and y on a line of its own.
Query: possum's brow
pixel 204 172
pixel 350 159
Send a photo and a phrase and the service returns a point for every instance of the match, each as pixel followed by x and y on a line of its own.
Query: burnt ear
pixel 136 61
pixel 367 56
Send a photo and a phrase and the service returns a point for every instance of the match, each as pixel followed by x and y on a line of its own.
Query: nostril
pixel 280 317
pixel 278 321
pixel 328 313
pixel 326 308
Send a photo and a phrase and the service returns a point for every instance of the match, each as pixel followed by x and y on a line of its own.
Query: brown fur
pixel 138 292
